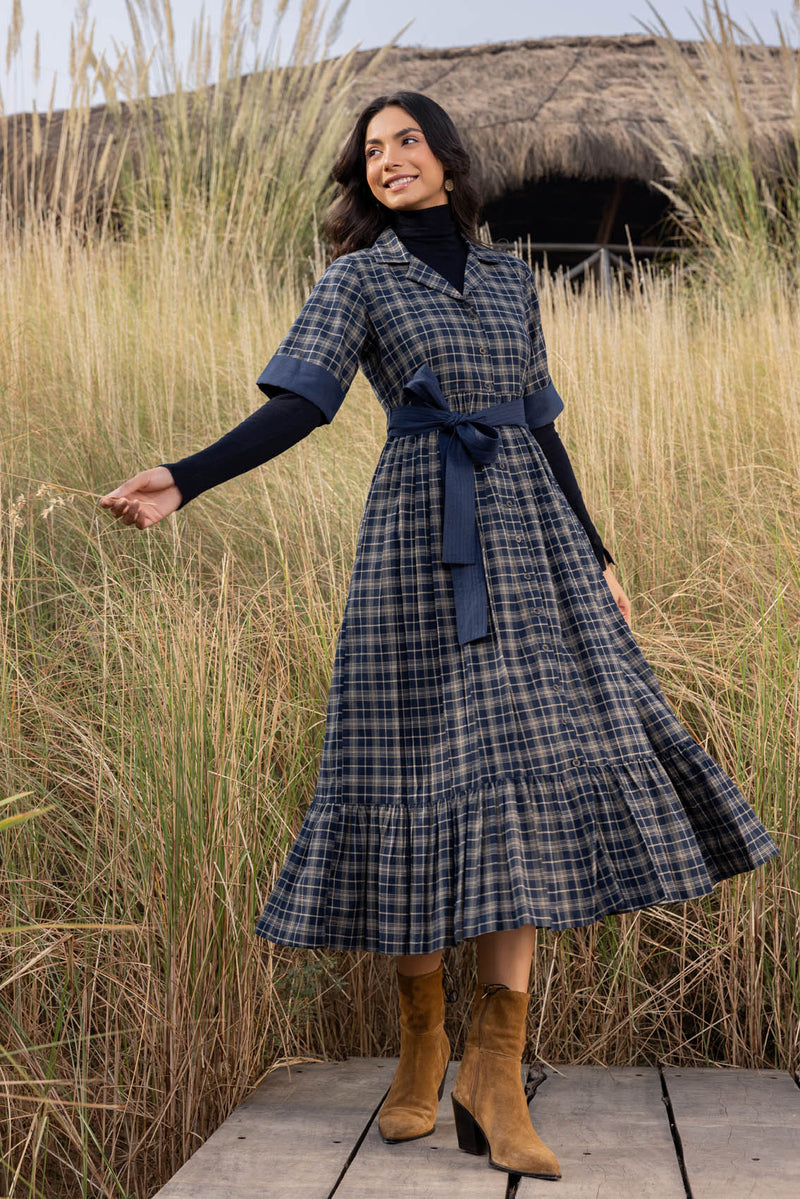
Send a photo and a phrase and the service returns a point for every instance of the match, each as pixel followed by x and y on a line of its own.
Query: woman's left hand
pixel 623 603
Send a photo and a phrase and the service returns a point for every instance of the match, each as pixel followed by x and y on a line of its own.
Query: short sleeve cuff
pixel 542 406
pixel 306 379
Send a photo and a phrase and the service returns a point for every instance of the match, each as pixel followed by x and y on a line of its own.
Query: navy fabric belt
pixel 465 440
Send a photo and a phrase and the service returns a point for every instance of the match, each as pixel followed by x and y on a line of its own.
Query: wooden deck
pixel 310 1132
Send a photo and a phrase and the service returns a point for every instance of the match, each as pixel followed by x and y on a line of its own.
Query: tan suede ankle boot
pixel 489 1101
pixel 409 1110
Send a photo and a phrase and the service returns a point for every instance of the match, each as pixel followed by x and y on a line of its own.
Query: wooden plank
pixel 610 1131
pixel 291 1138
pixel 740 1131
pixel 428 1168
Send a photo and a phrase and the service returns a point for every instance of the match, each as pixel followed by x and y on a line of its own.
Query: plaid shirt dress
pixel 497 750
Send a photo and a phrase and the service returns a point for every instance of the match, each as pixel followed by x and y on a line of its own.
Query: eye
pixel 409 137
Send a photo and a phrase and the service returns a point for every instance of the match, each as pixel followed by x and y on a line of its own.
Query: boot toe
pixel 402 1124
pixel 539 1164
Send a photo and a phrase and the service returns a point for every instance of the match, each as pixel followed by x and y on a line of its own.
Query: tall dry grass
pixel 731 163
pixel 163 694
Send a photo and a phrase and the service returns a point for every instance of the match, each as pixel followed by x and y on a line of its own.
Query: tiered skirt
pixel 537 775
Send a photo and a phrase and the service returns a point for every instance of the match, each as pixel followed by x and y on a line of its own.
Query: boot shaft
pixel 421 999
pixel 498 1020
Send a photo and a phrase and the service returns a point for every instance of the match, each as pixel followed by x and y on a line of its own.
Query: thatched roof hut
pixel 561 130
pixel 571 106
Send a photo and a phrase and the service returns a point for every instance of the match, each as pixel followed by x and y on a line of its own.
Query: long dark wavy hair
pixel 356 218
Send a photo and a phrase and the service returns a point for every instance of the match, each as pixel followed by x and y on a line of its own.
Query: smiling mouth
pixel 399 183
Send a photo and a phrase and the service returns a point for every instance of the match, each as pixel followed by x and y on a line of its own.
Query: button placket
pixel 473 316
pixel 483 334
pixel 565 712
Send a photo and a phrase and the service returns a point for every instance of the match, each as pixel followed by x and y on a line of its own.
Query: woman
pixel 498 754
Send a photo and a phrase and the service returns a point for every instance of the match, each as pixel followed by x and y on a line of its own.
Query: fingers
pixel 127 501
pixel 126 510
pixel 131 511
pixel 155 479
pixel 119 505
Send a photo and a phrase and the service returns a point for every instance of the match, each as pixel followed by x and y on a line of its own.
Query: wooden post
pixel 605 273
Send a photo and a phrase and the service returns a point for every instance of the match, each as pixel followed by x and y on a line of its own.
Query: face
pixel 402 170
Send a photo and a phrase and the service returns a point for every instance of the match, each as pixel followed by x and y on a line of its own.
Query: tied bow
pixel 466 440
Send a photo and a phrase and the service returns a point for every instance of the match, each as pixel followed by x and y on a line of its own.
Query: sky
pixel 366 22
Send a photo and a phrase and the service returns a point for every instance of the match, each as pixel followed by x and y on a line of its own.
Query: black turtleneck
pixel 431 235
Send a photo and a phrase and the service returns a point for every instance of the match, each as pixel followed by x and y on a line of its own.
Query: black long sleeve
pixel 555 452
pixel 284 420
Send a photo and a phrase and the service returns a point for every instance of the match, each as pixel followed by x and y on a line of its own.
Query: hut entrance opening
pixel 572 219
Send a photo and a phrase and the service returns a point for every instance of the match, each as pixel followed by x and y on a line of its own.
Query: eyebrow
pixel 376 141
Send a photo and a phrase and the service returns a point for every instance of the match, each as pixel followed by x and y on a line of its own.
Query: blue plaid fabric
pixel 537 774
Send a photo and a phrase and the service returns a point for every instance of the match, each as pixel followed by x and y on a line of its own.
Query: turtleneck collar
pixel 434 222
pixel 432 235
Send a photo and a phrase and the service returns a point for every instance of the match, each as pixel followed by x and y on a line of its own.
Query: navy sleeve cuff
pixel 304 378
pixel 542 406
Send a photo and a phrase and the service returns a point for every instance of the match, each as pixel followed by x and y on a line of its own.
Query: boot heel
pixel 470 1137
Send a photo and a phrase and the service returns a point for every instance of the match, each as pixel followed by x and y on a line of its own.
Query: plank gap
pixel 676 1136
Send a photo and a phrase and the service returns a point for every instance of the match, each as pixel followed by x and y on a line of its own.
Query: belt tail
pixel 458 510
pixel 469 594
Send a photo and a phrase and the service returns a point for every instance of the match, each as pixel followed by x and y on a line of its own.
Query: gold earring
pixel 448 185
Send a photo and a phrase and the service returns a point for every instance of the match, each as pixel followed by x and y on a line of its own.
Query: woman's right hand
pixel 145 499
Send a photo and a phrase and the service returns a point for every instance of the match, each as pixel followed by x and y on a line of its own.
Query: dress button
pixel 483 349
pixel 518 538
pixel 509 503
pixel 577 761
